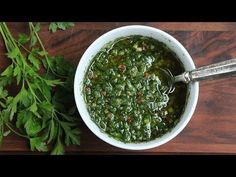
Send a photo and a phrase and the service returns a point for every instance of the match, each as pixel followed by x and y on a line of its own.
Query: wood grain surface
pixel 212 129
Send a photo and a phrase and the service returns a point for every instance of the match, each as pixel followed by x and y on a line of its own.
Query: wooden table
pixel 212 128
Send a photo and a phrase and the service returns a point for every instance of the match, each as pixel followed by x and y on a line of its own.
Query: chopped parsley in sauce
pixel 126 94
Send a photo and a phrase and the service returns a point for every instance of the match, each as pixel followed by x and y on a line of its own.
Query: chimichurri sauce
pixel 125 92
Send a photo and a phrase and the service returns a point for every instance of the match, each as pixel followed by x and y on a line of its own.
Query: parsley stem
pixel 16 131
pixel 1 128
pixel 10 41
pixel 41 44
pixel 3 35
pixel 32 91
pixel 32 30
pixel 23 46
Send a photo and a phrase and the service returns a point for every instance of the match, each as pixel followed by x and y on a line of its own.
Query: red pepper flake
pixel 129 119
pixel 140 100
pixel 169 120
pixel 122 67
pixel 139 94
pixel 146 74
pixel 95 77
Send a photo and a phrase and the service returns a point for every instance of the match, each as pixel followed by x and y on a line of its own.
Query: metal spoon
pixel 209 72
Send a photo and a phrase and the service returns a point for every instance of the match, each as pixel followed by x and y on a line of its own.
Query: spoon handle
pixel 218 70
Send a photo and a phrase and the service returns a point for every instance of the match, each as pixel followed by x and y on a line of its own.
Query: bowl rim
pixel 105 137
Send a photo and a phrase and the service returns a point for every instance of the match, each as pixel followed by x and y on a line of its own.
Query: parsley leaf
pixel 23 38
pixel 32 126
pixel 37 144
pixel 58 149
pixel 54 26
pixel 72 135
pixel 34 61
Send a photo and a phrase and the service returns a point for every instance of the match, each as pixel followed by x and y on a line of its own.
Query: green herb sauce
pixel 125 91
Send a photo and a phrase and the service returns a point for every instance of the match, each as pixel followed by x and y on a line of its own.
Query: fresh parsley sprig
pixel 37 112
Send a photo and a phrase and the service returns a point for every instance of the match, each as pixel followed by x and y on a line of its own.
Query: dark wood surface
pixel 212 128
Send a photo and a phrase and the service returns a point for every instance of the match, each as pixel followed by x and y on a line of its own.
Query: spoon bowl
pixel 208 72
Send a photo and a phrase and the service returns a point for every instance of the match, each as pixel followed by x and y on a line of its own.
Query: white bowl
pixel 174 45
